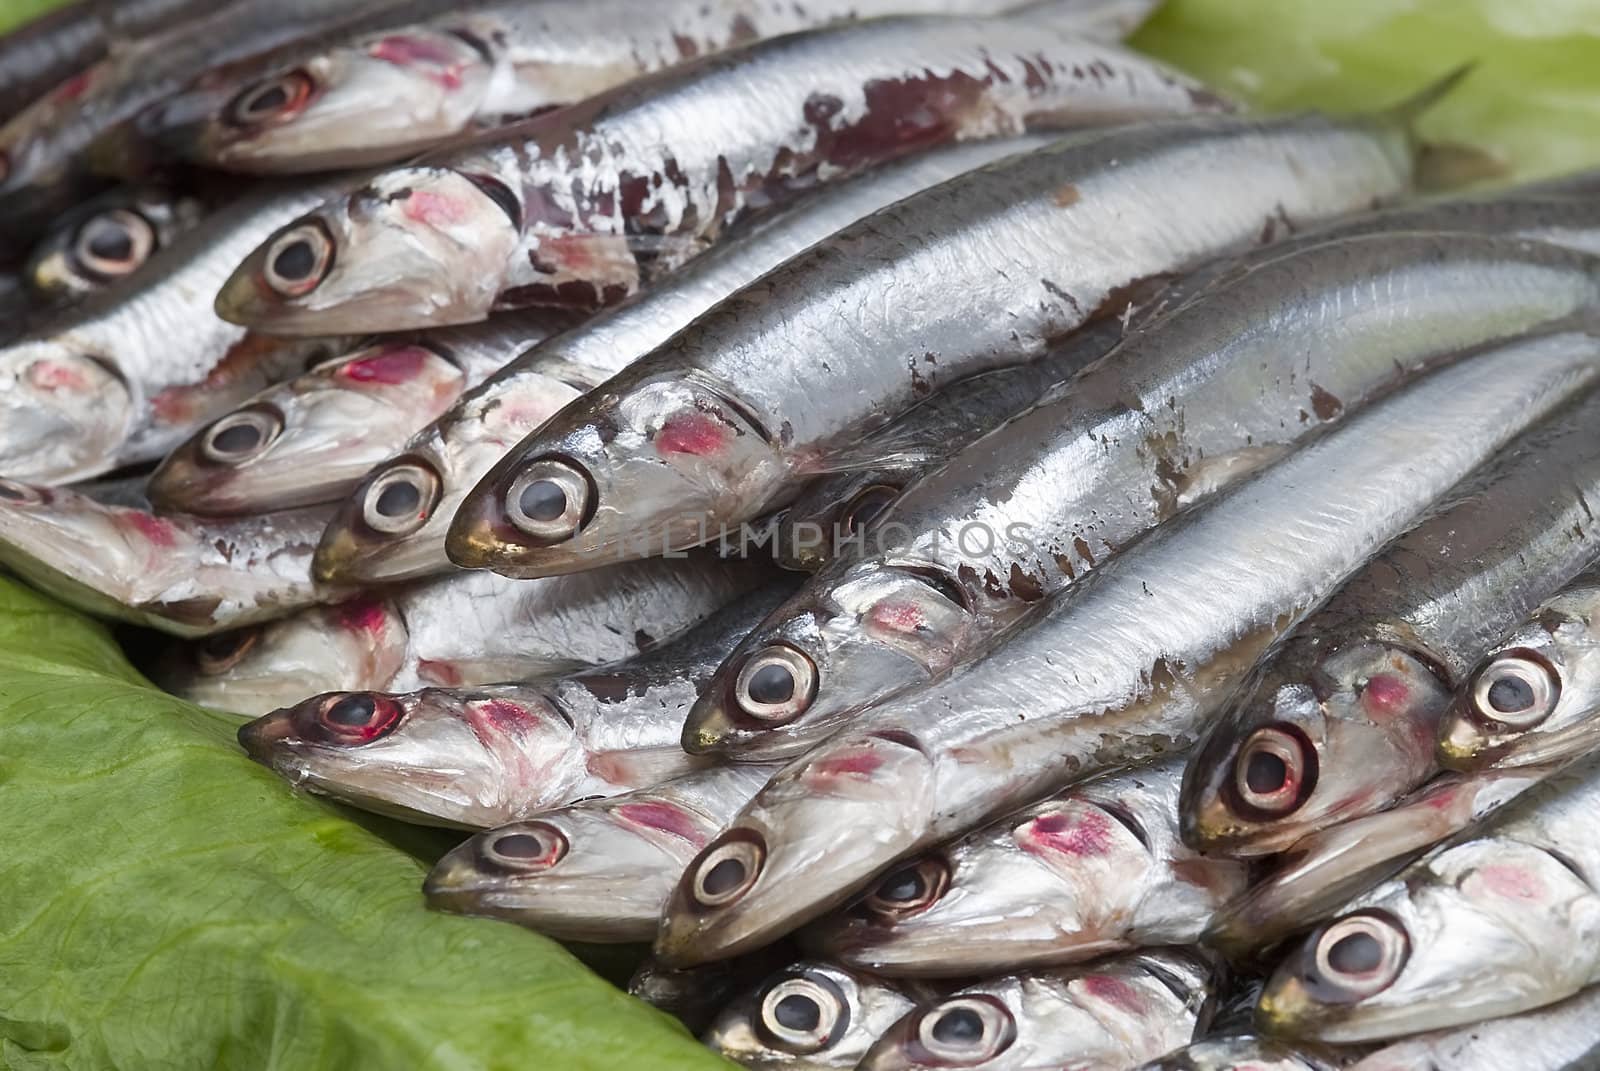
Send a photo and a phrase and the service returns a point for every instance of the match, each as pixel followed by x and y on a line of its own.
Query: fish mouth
pixel 262 739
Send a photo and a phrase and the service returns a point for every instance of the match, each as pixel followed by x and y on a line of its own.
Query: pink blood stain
pixel 362 615
pixel 175 405
pixel 1511 882
pixel 403 51
pixel 1113 991
pixel 664 817
pixel 897 616
pixel 504 715
pixel 1069 833
pixel 1385 696
pixel 51 376
pixel 433 209
pixel 75 87
pixel 157 532
pixel 388 367
pixel 698 434
pixel 444 674
pixel 861 764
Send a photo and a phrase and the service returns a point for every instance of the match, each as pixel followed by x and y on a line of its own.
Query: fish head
pixel 856 635
pixel 64 413
pixel 1244 1053
pixel 72 536
pixel 372 100
pixel 652 467
pixel 581 873
pixel 470 759
pixel 1313 744
pixel 417 247
pixel 831 512
pixel 359 643
pixel 1533 701
pixel 821 829
pixel 808 1015
pixel 299 442
pixel 1477 931
pixel 106 240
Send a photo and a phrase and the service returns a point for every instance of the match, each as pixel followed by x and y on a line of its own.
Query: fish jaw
pixel 418 247
pixel 457 759
pixel 1484 929
pixel 64 415
pixel 655 468
pixel 867 636
pixel 309 440
pixel 375 100
pixel 880 784
pixel 1348 738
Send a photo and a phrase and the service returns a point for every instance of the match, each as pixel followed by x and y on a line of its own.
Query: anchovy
pixel 107 239
pixel 716 427
pixel 1107 1017
pixel 460 631
pixel 181 575
pixel 1250 1053
pixel 1175 414
pixel 1503 919
pixel 387 95
pixel 130 372
pixel 370 540
pixel 1095 870
pixel 810 1016
pixel 311 439
pixel 598 870
pixel 1342 722
pixel 1535 699
pixel 695 996
pixel 582 206
pixel 487 756
pixel 1561 1037
pixel 1125 667
pixel 1325 869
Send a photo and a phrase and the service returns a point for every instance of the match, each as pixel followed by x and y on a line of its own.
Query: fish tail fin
pixel 1408 111
pixel 1442 166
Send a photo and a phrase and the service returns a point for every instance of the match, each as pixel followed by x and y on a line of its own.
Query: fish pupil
pixel 772 684
pixel 796 1012
pixel 1355 954
pixel 111 243
pixel 960 1026
pixel 868 508
pixel 353 711
pixel 270 99
pixel 1266 773
pixel 901 888
pixel 1510 695
pixel 519 846
pixel 724 877
pixel 237 439
pixel 295 261
pixel 543 500
pixel 399 499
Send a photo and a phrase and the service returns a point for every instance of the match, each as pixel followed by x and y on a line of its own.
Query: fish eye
pixel 548 501
pixel 776 684
pixel 1360 956
pixel 866 506
pixel 1274 771
pixel 964 1031
pixel 220 653
pixel 19 494
pixel 527 848
pixel 112 244
pixel 356 718
pixel 909 890
pixel 400 500
pixel 298 259
pixel 1517 690
pixel 803 1014
pixel 726 871
pixel 241 436
pixel 273 100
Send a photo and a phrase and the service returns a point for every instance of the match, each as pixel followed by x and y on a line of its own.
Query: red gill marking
pixel 897 616
pixel 505 716
pixel 388 366
pixel 850 764
pixel 53 376
pixel 74 87
pixel 664 817
pixel 693 433
pixel 362 615
pixel 404 51
pixel 433 209
pixel 1113 991
pixel 1086 832
pixel 1511 882
pixel 157 532
pixel 1386 695
pixel 439 672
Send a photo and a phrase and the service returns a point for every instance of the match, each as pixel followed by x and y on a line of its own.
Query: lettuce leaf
pixel 166 903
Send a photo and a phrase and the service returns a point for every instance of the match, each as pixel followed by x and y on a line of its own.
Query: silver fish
pixel 1178 412
pixel 1125 667
pixel 311 439
pixel 809 1017
pixel 1326 869
pixel 1561 1037
pixel 129 373
pixel 1342 721
pixel 1535 699
pixel 487 756
pixel 598 870
pixel 1250 1053
pixel 1095 870
pixel 181 575
pixel 583 205
pixel 386 95
pixel 443 462
pixel 1503 919
pixel 460 631
pixel 1106 1017
pixel 107 239
pixel 717 426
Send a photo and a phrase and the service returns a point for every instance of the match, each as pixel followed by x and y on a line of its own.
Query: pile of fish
pixel 982 550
